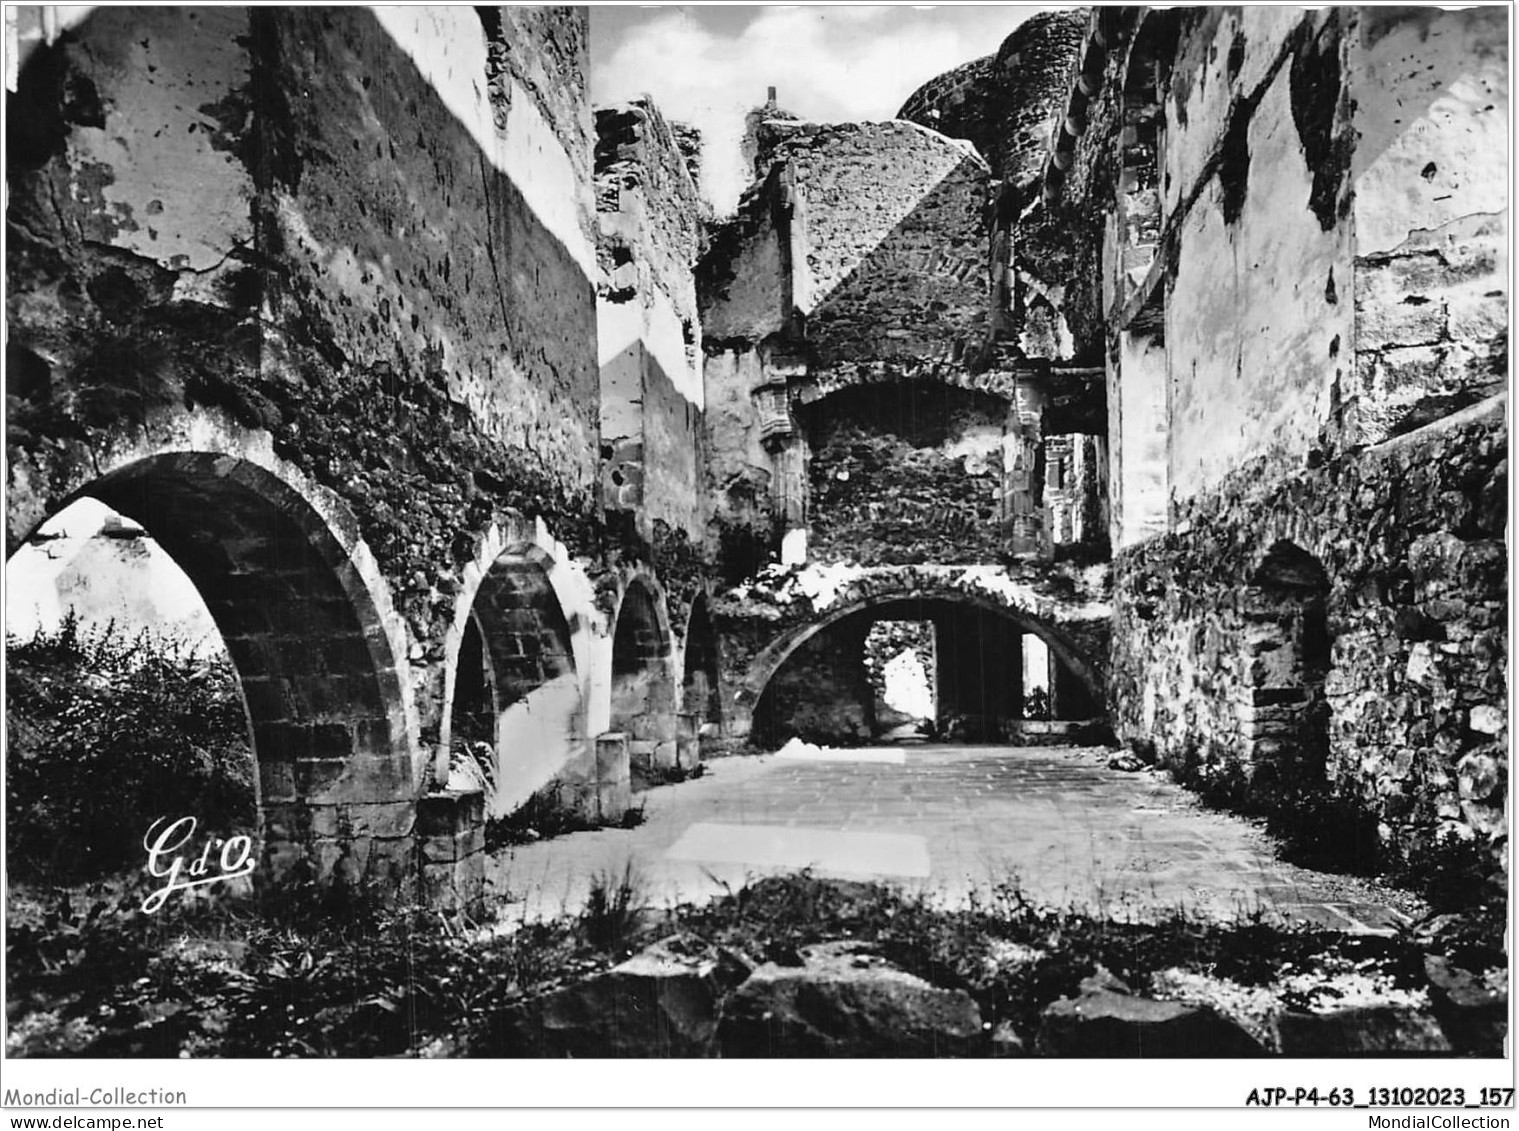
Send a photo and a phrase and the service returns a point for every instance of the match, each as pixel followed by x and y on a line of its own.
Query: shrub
pixel 1453 873
pixel 613 910
pixel 109 734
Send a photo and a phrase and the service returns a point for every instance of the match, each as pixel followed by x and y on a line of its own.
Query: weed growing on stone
pixel 613 910
pixel 542 817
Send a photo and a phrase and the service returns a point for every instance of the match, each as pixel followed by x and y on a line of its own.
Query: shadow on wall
pixel 643 686
pixel 516 687
pixel 701 689
pixel 920 293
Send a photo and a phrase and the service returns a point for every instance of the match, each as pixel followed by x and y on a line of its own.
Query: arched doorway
pixel 817 682
pixel 517 708
pixel 701 694
pixel 1285 724
pixel 314 665
pixel 643 688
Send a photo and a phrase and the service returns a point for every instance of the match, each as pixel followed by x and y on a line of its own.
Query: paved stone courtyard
pixel 954 821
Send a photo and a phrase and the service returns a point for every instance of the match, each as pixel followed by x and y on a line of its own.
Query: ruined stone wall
pixel 858 256
pixel 1410 536
pixel 1007 104
pixel 442 265
pixel 1318 374
pixel 905 472
pixel 132 276
pixel 894 244
pixel 353 252
pixel 255 221
pixel 650 236
pixel 822 693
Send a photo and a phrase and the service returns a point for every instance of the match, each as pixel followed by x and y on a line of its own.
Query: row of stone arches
pixel 333 685
pixel 525 683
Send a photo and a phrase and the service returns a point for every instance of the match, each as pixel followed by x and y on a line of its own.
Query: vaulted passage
pixel 517 706
pixel 831 687
pixel 701 694
pixel 318 680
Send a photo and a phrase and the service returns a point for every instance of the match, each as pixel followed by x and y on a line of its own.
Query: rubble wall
pixel 894 245
pixel 1410 536
pixel 906 472
pixel 1007 104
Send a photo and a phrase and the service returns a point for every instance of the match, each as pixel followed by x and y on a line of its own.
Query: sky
pixel 709 64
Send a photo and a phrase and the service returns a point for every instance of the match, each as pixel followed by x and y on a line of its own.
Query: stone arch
pixel 643 691
pixel 869 592
pixel 1285 635
pixel 515 685
pixel 701 685
pixel 530 708
pixel 979 668
pixel 307 624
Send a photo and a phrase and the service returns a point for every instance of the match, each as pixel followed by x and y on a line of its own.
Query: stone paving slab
pixel 1056 821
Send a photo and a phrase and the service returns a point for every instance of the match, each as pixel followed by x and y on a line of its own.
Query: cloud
pixel 709 66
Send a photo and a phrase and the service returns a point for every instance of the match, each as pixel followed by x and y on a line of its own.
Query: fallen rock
pixel 1006 1044
pixel 662 1002
pixel 1126 762
pixel 1471 1008
pixel 1106 1020
pixel 846 1002
pixel 1389 1030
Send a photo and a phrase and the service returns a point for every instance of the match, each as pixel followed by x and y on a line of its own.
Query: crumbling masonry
pixel 1173 342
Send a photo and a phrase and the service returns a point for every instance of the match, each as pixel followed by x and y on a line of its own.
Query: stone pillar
pixel 1022 471
pixel 334 797
pixel 687 741
pixel 451 849
pixel 613 778
pixel 788 457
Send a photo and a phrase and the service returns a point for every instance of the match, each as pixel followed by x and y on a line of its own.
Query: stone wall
pixel 861 247
pixel 822 694
pixel 355 273
pixel 894 245
pixel 649 336
pixel 1431 217
pixel 1007 104
pixel 905 472
pixel 765 620
pixel 1410 537
pixel 1308 485
pixel 349 256
pixel 443 267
